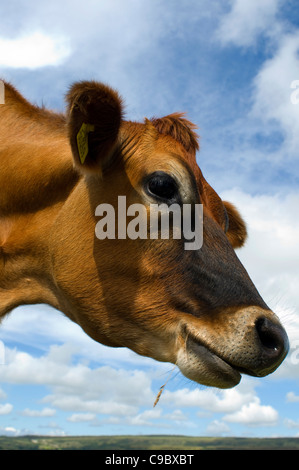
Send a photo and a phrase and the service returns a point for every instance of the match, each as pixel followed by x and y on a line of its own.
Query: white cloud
pixel 45 412
pixel 69 383
pixel 6 409
pixel 246 20
pixel 66 401
pixel 153 417
pixel 81 417
pixel 290 423
pixel 9 431
pixel 292 398
pixel 239 405
pixel 177 417
pixel 217 428
pixel 212 400
pixel 33 51
pixel 274 103
pixel 119 395
pixel 254 414
pixel 145 418
pixel 272 92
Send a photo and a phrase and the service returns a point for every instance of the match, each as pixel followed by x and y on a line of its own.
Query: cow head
pixel 195 308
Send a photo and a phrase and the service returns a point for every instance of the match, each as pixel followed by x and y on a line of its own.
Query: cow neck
pixel 36 177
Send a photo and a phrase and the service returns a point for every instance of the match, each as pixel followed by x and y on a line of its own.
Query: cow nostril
pixel 272 337
pixel 265 334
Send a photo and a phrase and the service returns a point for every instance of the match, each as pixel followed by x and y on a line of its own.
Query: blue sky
pixel 229 65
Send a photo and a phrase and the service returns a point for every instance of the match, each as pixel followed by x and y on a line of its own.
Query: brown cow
pixel 197 309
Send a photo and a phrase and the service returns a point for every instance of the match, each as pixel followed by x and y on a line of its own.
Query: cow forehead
pixel 144 149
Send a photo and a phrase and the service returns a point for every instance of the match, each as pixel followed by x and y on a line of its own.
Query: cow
pixel 197 309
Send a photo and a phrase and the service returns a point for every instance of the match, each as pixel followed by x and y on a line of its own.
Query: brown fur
pixel 149 295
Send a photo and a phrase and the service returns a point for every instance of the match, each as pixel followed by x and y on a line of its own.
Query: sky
pixel 232 66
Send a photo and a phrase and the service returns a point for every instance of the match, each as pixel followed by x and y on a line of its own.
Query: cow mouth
pixel 224 373
pixel 218 372
pixel 257 351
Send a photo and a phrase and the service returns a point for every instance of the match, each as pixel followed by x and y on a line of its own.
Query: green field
pixel 146 443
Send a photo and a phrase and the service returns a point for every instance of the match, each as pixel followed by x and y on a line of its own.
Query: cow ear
pixel 94 119
pixel 236 232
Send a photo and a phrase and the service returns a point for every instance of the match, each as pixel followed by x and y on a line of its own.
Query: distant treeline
pixel 152 443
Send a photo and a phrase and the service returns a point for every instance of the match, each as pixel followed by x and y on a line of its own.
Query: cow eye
pixel 163 186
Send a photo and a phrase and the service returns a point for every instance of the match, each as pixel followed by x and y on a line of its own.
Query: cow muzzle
pixel 251 342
